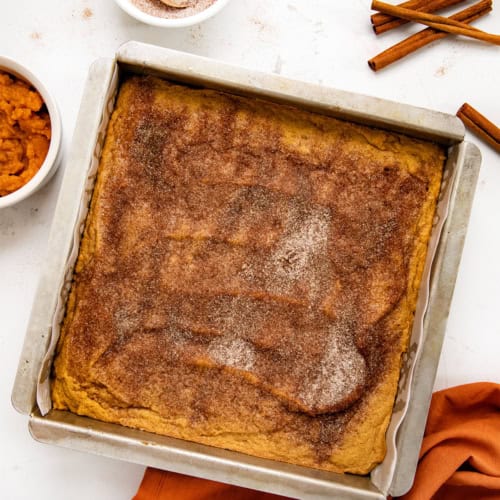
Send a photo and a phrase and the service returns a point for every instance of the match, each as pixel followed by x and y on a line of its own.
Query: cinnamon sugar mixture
pixel 159 9
pixel 224 242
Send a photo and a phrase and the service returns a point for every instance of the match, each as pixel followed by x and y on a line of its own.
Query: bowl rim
pixel 163 22
pixel 51 161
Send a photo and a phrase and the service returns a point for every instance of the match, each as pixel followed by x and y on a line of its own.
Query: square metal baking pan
pixel 112 440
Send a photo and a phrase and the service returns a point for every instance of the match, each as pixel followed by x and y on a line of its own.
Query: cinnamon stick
pixel 378 18
pixel 437 22
pixel 385 22
pixel 426 36
pixel 480 125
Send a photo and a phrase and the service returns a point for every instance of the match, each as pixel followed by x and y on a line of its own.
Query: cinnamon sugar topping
pixel 234 258
pixel 341 372
pixel 247 267
pixel 159 9
pixel 234 353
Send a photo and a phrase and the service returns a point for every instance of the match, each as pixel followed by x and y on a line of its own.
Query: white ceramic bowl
pixel 52 160
pixel 161 22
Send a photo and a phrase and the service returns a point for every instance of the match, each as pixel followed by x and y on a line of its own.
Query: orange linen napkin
pixel 162 485
pixel 459 459
pixel 460 455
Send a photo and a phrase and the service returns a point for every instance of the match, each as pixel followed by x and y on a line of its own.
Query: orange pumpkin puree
pixel 24 133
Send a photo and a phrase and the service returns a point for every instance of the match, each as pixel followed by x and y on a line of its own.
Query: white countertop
pixel 315 40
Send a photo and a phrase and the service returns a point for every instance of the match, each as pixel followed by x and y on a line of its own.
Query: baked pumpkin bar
pixel 248 276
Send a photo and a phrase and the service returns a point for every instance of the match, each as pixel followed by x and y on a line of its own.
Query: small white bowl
pixel 52 160
pixel 180 22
